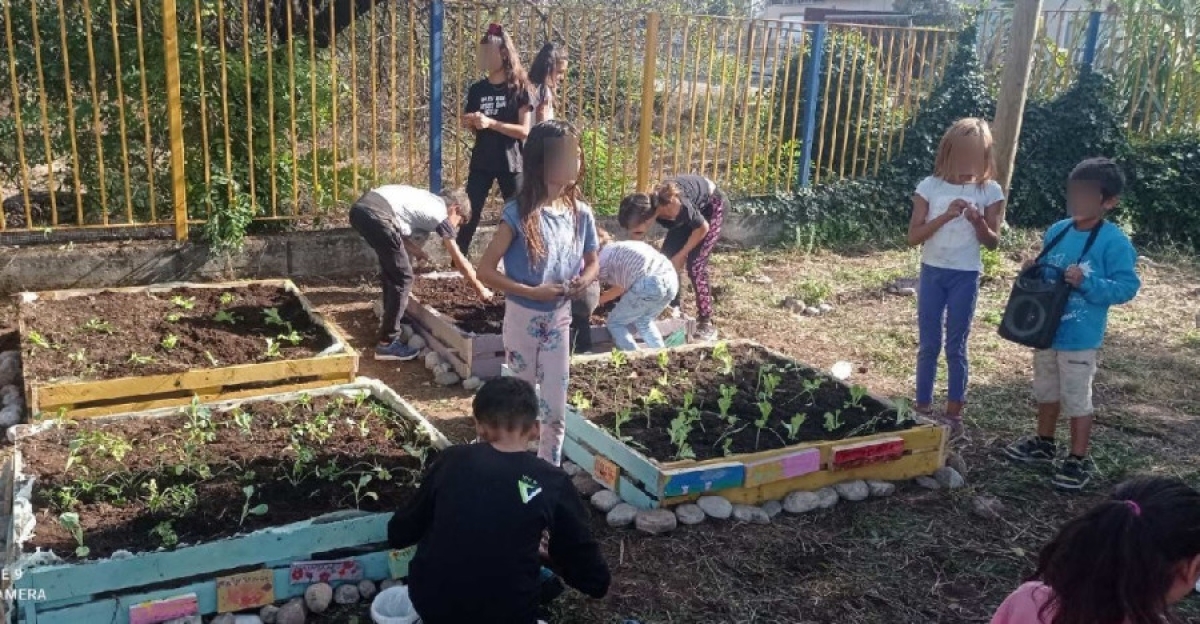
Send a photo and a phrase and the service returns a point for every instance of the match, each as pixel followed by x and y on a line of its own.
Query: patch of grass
pixel 813 291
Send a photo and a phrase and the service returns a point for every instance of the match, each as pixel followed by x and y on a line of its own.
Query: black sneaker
pixel 1031 450
pixel 1074 474
pixel 550 587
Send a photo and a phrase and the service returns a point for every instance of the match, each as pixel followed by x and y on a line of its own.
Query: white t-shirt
pixel 955 246
pixel 418 212
pixel 623 264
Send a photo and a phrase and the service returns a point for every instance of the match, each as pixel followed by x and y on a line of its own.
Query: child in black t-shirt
pixel 479 516
pixel 499 112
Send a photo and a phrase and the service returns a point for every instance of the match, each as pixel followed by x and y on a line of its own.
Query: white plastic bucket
pixel 392 606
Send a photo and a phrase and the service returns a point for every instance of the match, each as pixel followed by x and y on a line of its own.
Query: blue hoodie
pixel 1109 279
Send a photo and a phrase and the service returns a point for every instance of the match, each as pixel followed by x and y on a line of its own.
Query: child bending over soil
pixel 478 519
pixel 645 282
pixel 1126 561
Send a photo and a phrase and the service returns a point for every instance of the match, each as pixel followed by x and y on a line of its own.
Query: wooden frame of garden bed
pixel 750 477
pixel 102 591
pixel 482 355
pixel 86 399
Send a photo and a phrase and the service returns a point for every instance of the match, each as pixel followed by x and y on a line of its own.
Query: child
pixel 545 74
pixel 956 211
pixel 691 209
pixel 478 518
pixel 582 308
pixel 646 283
pixel 1123 562
pixel 547 239
pixel 396 220
pixel 499 114
pixel 1102 277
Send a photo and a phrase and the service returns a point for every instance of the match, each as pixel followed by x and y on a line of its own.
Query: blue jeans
pixel 640 307
pixel 944 297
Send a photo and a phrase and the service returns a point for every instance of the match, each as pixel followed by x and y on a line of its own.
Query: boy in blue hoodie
pixel 1103 277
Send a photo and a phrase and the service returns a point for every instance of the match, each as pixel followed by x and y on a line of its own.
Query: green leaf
pixel 258 509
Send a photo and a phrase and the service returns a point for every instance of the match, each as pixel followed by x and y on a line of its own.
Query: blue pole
pixel 437 23
pixel 812 90
pixel 1092 39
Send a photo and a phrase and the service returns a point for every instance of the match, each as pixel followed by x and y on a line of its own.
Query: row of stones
pixel 317 599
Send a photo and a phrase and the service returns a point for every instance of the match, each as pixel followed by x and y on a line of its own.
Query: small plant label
pixel 784 467
pixel 164 610
pixel 398 561
pixel 606 472
pixel 867 453
pixel 245 591
pixel 306 572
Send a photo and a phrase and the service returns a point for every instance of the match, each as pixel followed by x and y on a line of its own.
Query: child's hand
pixel 484 122
pixel 1074 275
pixel 576 287
pixel 956 208
pixel 485 295
pixel 547 292
pixel 680 261
pixel 973 215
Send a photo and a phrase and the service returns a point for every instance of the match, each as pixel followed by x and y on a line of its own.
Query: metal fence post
pixel 437 23
pixel 1092 39
pixel 646 122
pixel 812 90
pixel 175 119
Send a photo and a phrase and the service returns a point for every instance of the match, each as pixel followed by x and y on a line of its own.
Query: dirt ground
pixel 919 556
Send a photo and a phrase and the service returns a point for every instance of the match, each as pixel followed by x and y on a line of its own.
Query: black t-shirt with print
pixel 494 151
pixel 695 203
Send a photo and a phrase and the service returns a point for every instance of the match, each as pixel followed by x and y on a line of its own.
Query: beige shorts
pixel 1065 377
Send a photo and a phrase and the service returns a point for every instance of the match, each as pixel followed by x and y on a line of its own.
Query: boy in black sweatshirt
pixel 478 520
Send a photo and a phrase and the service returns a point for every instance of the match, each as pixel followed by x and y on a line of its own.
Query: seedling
pixel 70 522
pixel 174 317
pixel 810 387
pixel 793 427
pixel 225 316
pixel 212 360
pixel 904 411
pixel 170 342
pixel 78 357
pixel 273 349
pixel 857 394
pixel 358 488
pixel 619 359
pixel 180 302
pixel 271 316
pixel 226 298
pixel 97 444
pixel 98 326
pixel 199 425
pixel 293 337
pixel 421 453
pixel 764 409
pixel 833 421
pixel 664 362
pixel 175 500
pixel 680 427
pixel 727 447
pixel 691 411
pixel 620 419
pixel 767 383
pixel 580 402
pixel 726 402
pixel 242 419
pixel 654 397
pixel 721 354
pixel 140 360
pixel 166 534
pixel 38 340
pixel 257 510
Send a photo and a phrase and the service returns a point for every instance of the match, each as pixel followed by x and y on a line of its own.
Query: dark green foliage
pixel 1164 191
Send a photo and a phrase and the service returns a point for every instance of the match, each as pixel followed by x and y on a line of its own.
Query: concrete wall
pixel 334 254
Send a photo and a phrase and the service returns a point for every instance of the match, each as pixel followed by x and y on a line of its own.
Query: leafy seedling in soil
pixel 241 419
pixel 857 394
pixel 420 452
pixel 654 397
pixel 358 489
pixel 257 510
pixel 65 498
pixel 691 411
pixel 165 532
pixel 623 416
pixel 664 365
pixel 292 337
pixel 764 409
pixel 97 444
pixel 619 359
pixel 174 317
pixel 70 522
pixel 39 340
pixel 904 412
pixel 212 360
pixel 225 316
pixel 727 447
pixel 175 500
pixel 97 326
pixel 227 298
pixel 680 427
pixel 793 427
pixel 170 342
pixel 199 425
pixel 809 388
pixel 833 421
pixel 272 318
pixel 721 354
pixel 78 357
pixel 187 304
pixel 580 402
pixel 273 349
pixel 140 360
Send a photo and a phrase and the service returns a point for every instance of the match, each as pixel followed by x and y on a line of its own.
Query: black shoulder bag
pixel 1039 298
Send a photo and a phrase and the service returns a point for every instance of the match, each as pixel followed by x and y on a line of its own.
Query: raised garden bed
pixel 661 428
pixel 315 472
pixel 96 352
pixel 448 314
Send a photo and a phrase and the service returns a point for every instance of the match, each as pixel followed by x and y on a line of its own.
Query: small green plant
pixel 793 426
pixel 78 357
pixel 70 522
pixel 175 500
pixel 993 263
pixel 292 337
pixel 257 510
pixel 664 365
pixel 227 298
pixel 726 402
pixel 727 447
pixel 65 498
pixel 98 326
pixel 681 427
pixel 165 532
pixel 764 410
pixel 904 411
pixel 721 354
pixel 857 394
pixel 747 264
pixel 242 419
pixel 623 416
pixel 768 381
pixel 170 342
pixel 38 340
pixel 359 489
pixel 271 316
pixel 619 359
pixel 654 397
pixel 580 402
pixel 833 421
pixel 140 360
pixel 95 444
pixel 809 388
pixel 180 302
pixel 273 349
pixel 225 316
pixel 813 292
pixel 199 425
pixel 212 360
pixel 174 317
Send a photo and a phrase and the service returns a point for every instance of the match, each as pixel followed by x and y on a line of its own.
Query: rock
pixel 366 589
pixel 987 507
pixel 949 478
pixel 472 384
pixel 763 279
pixel 447 379
pixel 853 490
pixel 388 584
pixel 689 514
pixel 442 368
pixel 586 484
pixel 416 342
pixel 828 497
pixel 800 502
pixel 10 415
pixel 928 483
pixel 605 500
pixel 825 308
pixel 715 507
pixel 293 612
pixel 247 619
pixel 224 618
pixel 793 305
pixel 811 311
pixel 881 489
pixel 956 462
pixel 9 395
pixel 621 516
pixel 190 619
pixel 346 594
pixel 655 521
pixel 842 370
pixel 569 467
pixel 377 307
pixel 317 597
pixel 268 614
pixel 750 514
pixel 773 508
pixel 432 359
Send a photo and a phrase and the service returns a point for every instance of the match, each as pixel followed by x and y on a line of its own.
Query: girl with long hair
pixel 545 75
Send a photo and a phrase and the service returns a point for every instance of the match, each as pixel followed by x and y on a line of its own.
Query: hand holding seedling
pixel 956 209
pixel 973 214
pixel 547 292
pixel 1073 275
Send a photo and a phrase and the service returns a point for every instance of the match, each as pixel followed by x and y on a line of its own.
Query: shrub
pixel 1164 184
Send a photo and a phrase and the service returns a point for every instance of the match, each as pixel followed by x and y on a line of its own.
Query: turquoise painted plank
pixel 686 481
pixel 116 610
pixel 626 489
pixel 298 540
pixel 638 467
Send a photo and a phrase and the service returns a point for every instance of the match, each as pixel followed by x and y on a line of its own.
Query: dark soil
pixel 302 459
pixel 98 336
pixel 605 390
